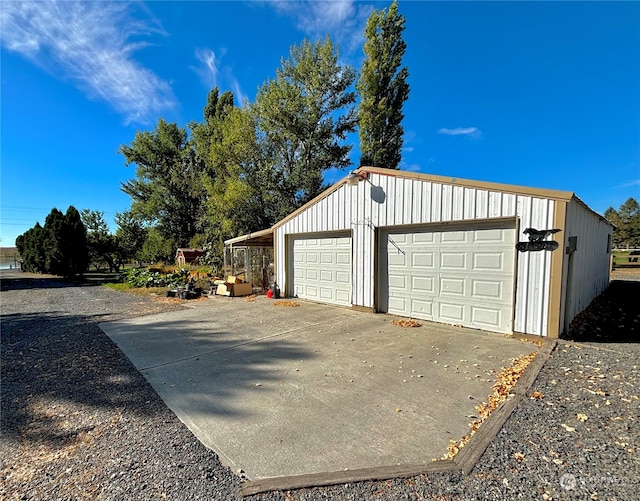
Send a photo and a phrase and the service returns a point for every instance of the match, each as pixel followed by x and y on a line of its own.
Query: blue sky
pixel 542 94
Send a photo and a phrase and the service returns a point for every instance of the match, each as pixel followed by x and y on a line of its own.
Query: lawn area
pixel 137 291
pixel 625 259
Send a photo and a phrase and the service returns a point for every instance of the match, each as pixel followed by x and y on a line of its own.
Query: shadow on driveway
pixel 294 391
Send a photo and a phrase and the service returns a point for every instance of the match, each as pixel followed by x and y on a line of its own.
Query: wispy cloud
pixel 634 182
pixel 208 69
pixel 461 131
pixel 214 74
pixel 344 20
pixel 92 44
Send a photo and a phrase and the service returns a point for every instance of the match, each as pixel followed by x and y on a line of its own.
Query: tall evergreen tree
pixel 74 240
pixel 54 227
pixel 383 89
pixel 627 222
pixel 59 248
pixel 31 248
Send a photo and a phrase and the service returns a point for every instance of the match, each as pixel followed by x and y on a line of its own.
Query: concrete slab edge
pixel 469 455
pixel 341 477
pixel 464 461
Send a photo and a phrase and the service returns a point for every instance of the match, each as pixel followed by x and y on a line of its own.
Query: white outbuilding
pixel 488 256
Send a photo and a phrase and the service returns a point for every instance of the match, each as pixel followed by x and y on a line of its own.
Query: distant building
pixel 186 256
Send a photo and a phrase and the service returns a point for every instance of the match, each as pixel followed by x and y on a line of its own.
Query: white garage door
pixel 322 268
pixel 461 276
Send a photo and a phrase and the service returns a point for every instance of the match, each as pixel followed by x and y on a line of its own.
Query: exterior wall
pixel 388 200
pixel 585 271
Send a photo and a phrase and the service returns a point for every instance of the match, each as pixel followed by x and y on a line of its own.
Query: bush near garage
pixel 142 277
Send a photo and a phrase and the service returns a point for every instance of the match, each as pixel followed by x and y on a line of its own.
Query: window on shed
pixel 609 243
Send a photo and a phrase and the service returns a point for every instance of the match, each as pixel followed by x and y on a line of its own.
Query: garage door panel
pixel 487 290
pixel 462 277
pixel 398 281
pixel 326 258
pixel 489 261
pixel 343 277
pixel 397 259
pixel 490 317
pixel 423 237
pixel 452 260
pixel 343 297
pixel 423 259
pixel 452 312
pixel 398 305
pixel 322 268
pixel 490 235
pixel 425 285
pixel 422 308
pixel 343 258
pixel 452 286
pixel 453 237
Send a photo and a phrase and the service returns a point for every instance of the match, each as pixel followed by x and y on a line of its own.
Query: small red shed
pixel 186 256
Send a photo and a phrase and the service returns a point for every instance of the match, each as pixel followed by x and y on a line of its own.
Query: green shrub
pixel 142 277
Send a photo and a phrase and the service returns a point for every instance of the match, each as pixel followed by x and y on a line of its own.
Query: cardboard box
pixel 234 289
pixel 240 289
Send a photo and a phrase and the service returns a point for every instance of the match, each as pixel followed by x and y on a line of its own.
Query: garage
pixel 321 267
pixel 485 255
pixel 461 275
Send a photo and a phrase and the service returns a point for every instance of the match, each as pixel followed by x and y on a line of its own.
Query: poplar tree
pixel 383 89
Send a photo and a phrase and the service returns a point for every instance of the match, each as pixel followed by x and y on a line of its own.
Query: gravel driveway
pixel 78 421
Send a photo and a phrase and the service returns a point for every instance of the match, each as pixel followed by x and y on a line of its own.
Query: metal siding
pixel 457 204
pixel 410 201
pixel 426 203
pixel 436 202
pixel 416 207
pixel 446 203
pixel 469 203
pixel 534 268
pixel 481 204
pixel 590 264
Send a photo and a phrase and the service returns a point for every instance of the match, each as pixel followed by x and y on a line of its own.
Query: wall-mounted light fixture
pixel 355 177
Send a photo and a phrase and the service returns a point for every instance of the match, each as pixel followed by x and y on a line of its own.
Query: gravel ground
pixel 78 421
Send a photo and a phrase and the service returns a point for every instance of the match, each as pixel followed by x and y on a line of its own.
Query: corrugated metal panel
pixel 400 201
pixel 586 271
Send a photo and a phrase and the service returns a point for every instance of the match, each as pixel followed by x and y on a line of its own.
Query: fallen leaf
pixel 519 456
pixel 536 395
pixel 568 428
pixel 290 304
pixel 582 417
pixel 406 323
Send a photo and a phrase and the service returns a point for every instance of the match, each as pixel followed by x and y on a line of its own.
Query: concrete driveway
pixel 281 391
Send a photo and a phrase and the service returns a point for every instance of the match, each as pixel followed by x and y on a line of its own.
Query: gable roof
pixel 483 185
pixel 189 253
